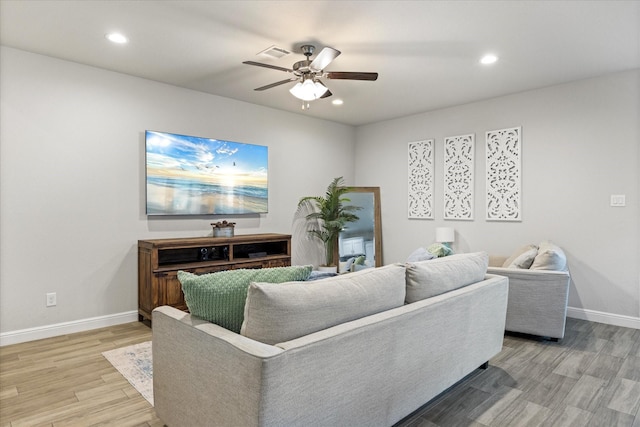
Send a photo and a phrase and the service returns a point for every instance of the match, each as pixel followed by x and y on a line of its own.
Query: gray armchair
pixel 537 299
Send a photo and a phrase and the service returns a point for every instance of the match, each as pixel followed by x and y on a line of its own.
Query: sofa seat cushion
pixel 279 313
pixel 426 279
pixel 550 257
pixel 220 297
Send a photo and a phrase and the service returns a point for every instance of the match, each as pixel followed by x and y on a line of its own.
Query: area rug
pixel 135 364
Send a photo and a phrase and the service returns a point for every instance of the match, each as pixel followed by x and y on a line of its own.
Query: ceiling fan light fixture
pixel 308 90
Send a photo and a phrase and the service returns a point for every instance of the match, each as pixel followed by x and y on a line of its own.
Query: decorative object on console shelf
pixel 329 217
pixel 223 228
pixel 189 175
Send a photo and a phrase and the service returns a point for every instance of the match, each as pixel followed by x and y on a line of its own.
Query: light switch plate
pixel 618 200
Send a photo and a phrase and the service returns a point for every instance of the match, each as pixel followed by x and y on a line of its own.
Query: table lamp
pixel 446 236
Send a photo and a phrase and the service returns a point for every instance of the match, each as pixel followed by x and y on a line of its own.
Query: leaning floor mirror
pixel 360 242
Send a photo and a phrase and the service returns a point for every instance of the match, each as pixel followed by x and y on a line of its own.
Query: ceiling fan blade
pixel 281 82
pixel 345 75
pixel 327 93
pixel 273 67
pixel 324 58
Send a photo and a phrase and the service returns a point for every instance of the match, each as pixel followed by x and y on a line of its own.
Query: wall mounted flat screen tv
pixel 189 175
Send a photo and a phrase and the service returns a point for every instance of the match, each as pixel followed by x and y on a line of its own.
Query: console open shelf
pixel 159 261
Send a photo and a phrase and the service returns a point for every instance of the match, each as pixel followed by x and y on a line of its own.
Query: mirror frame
pixel 377 221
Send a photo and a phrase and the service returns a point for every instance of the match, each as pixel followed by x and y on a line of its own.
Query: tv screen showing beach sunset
pixel 188 175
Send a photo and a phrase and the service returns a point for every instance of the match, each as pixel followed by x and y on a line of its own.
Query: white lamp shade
pixel 445 235
pixel 308 90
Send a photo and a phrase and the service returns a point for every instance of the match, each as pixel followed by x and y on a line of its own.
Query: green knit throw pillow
pixel 220 297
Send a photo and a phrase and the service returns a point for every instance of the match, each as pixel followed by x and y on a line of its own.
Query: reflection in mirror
pixel 360 242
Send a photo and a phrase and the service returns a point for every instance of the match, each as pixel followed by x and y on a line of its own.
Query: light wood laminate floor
pixel 591 378
pixel 65 381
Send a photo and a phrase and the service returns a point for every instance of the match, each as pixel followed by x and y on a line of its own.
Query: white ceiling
pixel 426 52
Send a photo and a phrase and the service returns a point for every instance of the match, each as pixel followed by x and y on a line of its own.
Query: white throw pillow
pixel 426 279
pixel 550 257
pixel 277 314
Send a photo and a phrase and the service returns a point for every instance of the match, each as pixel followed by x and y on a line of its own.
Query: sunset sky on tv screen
pixel 188 175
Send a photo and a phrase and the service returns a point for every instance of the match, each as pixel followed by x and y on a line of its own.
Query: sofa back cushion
pixel 219 297
pixel 279 313
pixel 426 279
pixel 549 257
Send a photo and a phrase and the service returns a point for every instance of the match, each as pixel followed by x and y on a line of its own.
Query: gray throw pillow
pixel 517 253
pixel 525 259
pixel 550 257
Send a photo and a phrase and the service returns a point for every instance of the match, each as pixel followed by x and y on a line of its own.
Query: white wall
pixel 580 145
pixel 72 171
pixel 72 179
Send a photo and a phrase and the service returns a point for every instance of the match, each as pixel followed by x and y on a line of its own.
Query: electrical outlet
pixel 51 299
pixel 618 200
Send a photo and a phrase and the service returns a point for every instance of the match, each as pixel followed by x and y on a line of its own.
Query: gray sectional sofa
pixel 362 349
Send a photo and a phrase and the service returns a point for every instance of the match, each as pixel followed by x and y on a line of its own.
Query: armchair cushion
pixel 521 257
pixel 550 257
pixel 525 259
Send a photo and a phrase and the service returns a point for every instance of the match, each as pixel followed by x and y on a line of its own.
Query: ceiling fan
pixel 309 72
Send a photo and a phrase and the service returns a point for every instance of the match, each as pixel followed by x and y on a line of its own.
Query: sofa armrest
pixel 193 359
pixel 537 300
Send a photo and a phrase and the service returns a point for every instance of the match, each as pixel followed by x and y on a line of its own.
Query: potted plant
pixel 329 217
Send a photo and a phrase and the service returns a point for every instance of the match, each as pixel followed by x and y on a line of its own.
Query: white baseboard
pixel 602 317
pixel 48 331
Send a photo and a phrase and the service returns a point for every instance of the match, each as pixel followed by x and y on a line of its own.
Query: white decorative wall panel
pixel 458 177
pixel 504 164
pixel 421 179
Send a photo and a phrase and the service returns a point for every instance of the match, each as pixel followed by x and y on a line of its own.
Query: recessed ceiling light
pixel 337 102
pixel 116 38
pixel 488 59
